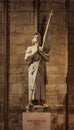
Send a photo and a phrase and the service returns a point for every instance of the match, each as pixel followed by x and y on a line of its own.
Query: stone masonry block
pixel 71 87
pixel 21 70
pixel 26 40
pixel 21 78
pixel 57 60
pixel 46 7
pixel 29 1
pixel 59 1
pixel 1 18
pixel 56 28
pixel 2 27
pixel 59 7
pixel 31 16
pixel 16 1
pixel 71 40
pixel 56 70
pixel 17 89
pixel 12 28
pixel 1 92
pixel 1 0
pixel 71 29
pixel 71 7
pixel 1 78
pixel 71 69
pixel 13 59
pixel 14 7
pixel 14 38
pixel 1 6
pixel 71 79
pixel 24 29
pixel 20 61
pixel 19 18
pixel 19 29
pixel 52 100
pixel 71 0
pixel 52 1
pixel 71 61
pixel 26 6
pixel 59 49
pixel 71 49
pixel 28 29
pixel 2 59
pixel 13 70
pixel 12 78
pixel 56 7
pixel 59 79
pixel 2 69
pixel 2 48
pixel 55 19
pixel 71 18
pixel 71 99
pixel 20 50
pixel 12 49
pixel 55 89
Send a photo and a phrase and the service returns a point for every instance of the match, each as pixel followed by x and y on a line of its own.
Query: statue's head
pixel 36 38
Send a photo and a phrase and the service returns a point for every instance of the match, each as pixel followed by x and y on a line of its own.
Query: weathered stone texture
pixel 22 27
pixel 70 77
pixel 2 64
pixel 60 68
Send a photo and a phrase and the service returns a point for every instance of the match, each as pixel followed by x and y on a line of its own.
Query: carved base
pixel 37 108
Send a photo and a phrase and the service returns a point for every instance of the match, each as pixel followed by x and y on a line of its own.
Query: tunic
pixel 37 78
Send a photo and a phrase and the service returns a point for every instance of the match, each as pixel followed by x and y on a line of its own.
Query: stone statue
pixel 37 73
pixel 37 56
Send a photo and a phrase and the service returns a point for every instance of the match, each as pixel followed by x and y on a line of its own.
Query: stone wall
pixel 21 30
pixel 2 64
pixel 21 23
pixel 70 77
pixel 60 67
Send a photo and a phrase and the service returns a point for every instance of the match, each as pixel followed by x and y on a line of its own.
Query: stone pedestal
pixel 36 121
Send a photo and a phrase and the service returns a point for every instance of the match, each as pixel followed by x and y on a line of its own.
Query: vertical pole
pixel 36 15
pixel 7 63
pixel 67 95
pixel 5 85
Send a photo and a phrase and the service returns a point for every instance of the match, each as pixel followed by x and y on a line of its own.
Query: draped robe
pixel 37 77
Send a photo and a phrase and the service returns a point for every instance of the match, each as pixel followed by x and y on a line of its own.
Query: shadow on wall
pixel 70 79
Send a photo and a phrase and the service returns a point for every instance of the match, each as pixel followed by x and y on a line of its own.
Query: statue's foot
pixel 42 102
pixel 29 107
pixel 35 102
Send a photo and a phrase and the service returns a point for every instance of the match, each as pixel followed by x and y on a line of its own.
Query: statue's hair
pixel 36 33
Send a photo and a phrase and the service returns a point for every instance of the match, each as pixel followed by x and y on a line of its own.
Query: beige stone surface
pixel 36 121
pixel 61 66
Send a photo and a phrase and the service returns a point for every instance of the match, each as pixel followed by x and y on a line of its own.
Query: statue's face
pixel 35 39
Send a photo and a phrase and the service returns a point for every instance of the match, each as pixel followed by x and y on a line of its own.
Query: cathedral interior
pixel 17 25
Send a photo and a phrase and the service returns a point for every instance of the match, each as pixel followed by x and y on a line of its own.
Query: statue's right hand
pixel 29 50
